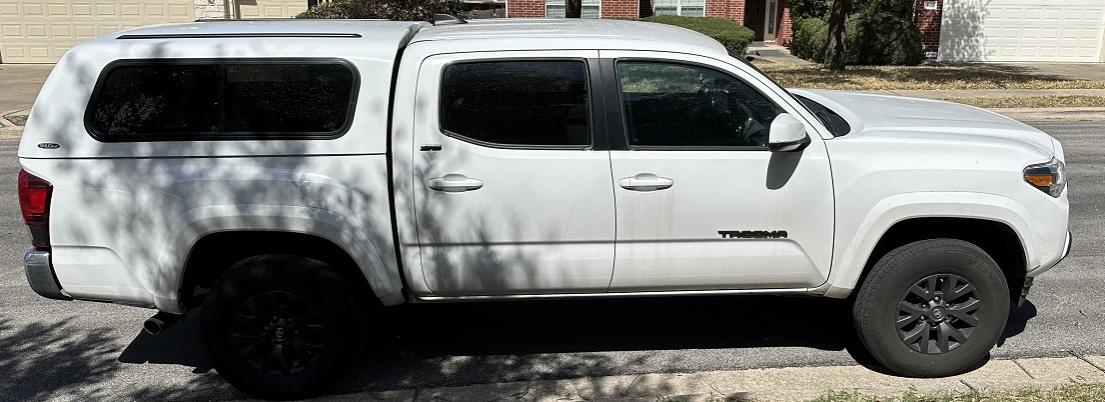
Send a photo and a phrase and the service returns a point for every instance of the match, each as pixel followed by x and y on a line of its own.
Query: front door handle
pixel 454 183
pixel 645 182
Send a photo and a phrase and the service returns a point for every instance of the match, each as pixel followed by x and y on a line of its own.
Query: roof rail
pixel 239 35
pixel 447 19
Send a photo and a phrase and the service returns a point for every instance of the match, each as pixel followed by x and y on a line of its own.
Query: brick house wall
pixel 928 21
pixel 619 8
pixel 525 8
pixel 785 34
pixel 731 9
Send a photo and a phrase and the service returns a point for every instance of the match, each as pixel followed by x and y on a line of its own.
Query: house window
pixel 555 8
pixel 686 8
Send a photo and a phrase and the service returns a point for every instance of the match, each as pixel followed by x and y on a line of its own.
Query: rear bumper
pixel 40 275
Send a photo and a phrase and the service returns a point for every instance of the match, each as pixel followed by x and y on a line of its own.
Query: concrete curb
pixel 778 384
pixel 5 123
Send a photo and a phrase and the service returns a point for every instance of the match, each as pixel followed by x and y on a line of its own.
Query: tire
pixel 925 285
pixel 279 306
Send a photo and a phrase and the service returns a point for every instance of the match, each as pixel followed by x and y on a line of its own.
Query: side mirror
pixel 787 134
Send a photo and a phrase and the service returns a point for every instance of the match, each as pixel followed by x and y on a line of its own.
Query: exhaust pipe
pixel 154 325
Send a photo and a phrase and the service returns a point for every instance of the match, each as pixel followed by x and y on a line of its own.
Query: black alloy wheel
pixel 282 326
pixel 278 333
pixel 938 313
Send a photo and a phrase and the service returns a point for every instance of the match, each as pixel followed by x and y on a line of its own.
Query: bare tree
pixel 838 22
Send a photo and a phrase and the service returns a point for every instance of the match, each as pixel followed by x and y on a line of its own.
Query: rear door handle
pixel 645 182
pixel 454 183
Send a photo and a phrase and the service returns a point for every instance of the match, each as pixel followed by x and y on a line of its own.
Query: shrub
pixel 732 35
pixel 398 10
pixel 873 38
pixel 810 35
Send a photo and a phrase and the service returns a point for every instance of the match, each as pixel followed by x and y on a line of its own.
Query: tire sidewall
pixel 308 279
pixel 905 267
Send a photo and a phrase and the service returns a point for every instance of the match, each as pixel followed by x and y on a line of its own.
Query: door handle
pixel 454 183
pixel 645 182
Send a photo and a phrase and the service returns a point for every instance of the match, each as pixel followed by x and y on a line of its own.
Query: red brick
pixel 525 9
pixel 619 9
pixel 785 35
pixel 928 21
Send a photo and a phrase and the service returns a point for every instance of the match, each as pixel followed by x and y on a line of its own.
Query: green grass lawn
pixel 1065 393
pixel 870 78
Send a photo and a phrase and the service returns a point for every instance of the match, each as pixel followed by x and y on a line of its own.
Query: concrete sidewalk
pixel 778 384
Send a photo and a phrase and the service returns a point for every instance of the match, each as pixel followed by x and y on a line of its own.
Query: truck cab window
pixel 517 103
pixel 669 104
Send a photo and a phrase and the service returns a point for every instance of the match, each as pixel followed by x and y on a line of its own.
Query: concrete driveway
pixel 19 85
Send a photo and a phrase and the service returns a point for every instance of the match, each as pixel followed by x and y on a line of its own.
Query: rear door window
pixel 157 100
pixel 522 103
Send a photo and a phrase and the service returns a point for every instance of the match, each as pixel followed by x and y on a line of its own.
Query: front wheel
pixel 932 308
pixel 281 326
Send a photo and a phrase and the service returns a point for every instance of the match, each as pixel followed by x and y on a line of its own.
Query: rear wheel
pixel 280 326
pixel 932 308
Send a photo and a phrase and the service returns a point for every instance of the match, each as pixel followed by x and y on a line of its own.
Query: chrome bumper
pixel 40 274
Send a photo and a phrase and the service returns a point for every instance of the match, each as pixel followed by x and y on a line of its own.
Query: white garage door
pixel 40 31
pixel 273 8
pixel 1022 30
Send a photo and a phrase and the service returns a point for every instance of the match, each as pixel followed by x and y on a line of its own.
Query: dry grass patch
pixel 871 78
pixel 1033 101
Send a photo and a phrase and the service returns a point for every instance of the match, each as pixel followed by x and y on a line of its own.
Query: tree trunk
pixel 838 22
pixel 573 8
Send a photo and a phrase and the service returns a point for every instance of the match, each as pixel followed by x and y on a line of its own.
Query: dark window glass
pixel 836 124
pixel 517 102
pixel 221 100
pixel 138 101
pixel 682 105
pixel 286 98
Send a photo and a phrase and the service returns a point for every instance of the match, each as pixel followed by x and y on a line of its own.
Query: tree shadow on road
pixel 46 361
pixel 462 344
pixel 73 357
pixel 436 345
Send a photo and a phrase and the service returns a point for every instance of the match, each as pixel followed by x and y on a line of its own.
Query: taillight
pixel 34 202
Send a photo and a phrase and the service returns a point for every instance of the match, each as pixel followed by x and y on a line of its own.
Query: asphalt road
pixel 84 350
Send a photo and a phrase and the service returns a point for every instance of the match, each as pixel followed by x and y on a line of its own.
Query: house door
pixel 770 27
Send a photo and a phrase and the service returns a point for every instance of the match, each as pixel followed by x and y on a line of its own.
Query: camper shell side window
pixel 222 99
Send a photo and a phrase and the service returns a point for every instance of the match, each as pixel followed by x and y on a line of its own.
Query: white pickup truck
pixel 293 178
